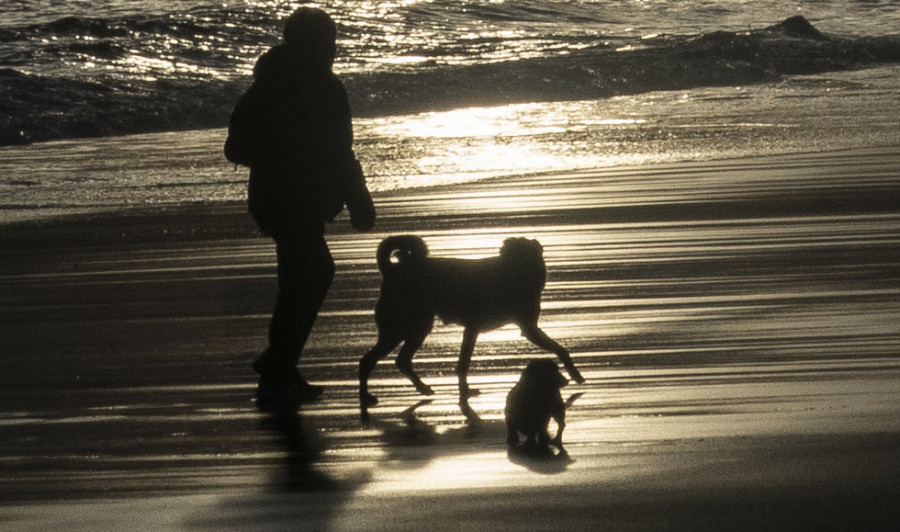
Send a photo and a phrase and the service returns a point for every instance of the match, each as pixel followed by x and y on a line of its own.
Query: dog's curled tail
pixel 403 247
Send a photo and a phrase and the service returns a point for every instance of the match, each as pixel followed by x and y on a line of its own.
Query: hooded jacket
pixel 303 168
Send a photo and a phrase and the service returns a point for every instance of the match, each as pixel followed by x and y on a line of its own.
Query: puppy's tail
pixel 403 247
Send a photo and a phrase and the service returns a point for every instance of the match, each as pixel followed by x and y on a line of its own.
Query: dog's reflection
pixel 414 432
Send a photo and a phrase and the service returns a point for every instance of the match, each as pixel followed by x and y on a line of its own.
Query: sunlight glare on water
pixel 480 142
pixel 507 120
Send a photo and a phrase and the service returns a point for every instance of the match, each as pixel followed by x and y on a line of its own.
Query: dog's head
pixel 524 262
pixel 543 373
pixel 522 250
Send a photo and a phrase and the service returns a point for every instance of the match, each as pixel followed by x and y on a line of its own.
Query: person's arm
pixel 359 201
pixel 357 197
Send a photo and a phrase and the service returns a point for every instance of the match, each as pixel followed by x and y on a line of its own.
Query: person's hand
pixel 362 211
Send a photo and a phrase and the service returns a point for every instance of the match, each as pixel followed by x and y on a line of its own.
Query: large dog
pixel 533 402
pixel 480 295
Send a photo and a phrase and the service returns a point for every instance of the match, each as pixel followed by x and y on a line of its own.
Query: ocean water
pixel 443 91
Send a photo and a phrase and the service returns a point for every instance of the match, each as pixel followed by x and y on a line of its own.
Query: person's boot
pixel 282 388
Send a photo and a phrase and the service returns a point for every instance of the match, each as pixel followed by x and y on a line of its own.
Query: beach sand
pixel 737 323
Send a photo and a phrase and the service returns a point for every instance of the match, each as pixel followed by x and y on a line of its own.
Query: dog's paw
pixel 465 394
pixel 369 400
pixel 424 389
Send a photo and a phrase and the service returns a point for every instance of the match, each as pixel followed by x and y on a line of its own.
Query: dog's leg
pixel 557 441
pixel 560 419
pixel 404 363
pixel 366 364
pixel 539 338
pixel 512 435
pixel 543 437
pixel 470 335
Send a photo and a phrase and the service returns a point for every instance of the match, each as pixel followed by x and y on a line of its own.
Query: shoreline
pixel 171 168
pixel 238 223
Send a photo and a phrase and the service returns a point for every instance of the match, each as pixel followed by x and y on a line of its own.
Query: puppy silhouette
pixel 532 402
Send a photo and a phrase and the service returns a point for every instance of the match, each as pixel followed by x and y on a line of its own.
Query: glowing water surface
pixel 811 113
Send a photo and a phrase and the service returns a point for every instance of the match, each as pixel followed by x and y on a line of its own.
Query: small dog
pixel 532 402
pixel 480 295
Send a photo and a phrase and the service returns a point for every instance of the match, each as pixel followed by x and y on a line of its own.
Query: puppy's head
pixel 543 373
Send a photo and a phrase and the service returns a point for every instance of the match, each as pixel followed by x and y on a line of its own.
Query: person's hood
pixel 286 61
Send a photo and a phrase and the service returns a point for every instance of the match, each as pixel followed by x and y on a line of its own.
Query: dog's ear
pixel 534 370
pixel 529 370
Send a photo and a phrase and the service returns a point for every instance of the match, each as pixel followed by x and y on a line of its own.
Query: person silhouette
pixel 293 129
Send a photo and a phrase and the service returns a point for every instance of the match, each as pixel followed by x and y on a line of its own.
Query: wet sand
pixel 737 323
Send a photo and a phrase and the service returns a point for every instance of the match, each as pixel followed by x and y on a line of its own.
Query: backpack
pixel 242 143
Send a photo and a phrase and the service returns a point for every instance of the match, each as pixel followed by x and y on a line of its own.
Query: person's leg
pixel 305 272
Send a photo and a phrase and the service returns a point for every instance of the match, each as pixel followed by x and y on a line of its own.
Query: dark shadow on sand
pixel 542 460
pixel 411 431
pixel 476 435
pixel 299 496
pixel 300 453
